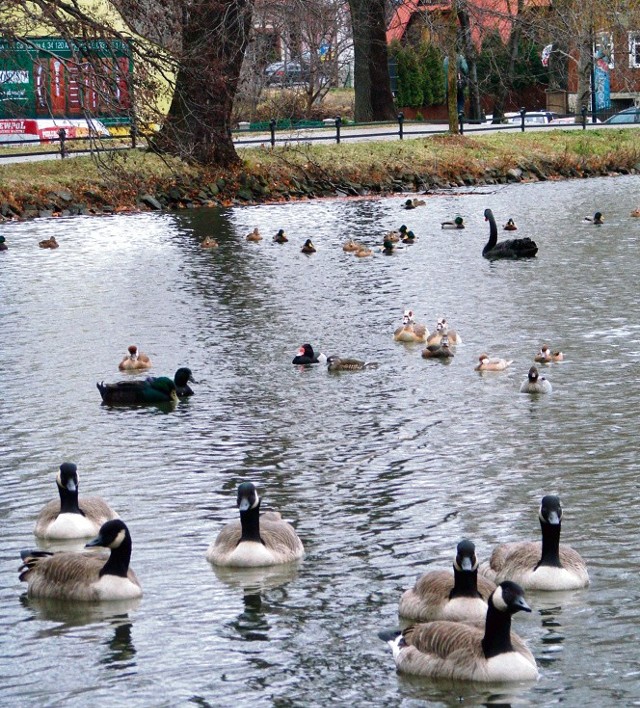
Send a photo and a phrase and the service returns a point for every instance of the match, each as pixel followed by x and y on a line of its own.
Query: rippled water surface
pixel 382 472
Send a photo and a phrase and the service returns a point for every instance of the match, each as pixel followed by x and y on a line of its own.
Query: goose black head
pixel 508 597
pixel 68 476
pixel 550 510
pixel 111 535
pixel 465 556
pixel 247 496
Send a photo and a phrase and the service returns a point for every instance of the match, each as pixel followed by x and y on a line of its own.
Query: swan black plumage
pixel 512 248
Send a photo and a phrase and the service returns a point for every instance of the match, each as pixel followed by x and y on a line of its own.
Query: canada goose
pixel 280 237
pixel 127 393
pixel 134 360
pixel 84 577
pixel 410 331
pixel 337 363
pixel 535 383
pixel 49 243
pixel 540 566
pixel 308 247
pixel 442 328
pixel 68 518
pixel 488 363
pixel 254 235
pixel 510 225
pixel 3 244
pixel 257 539
pixel 512 248
pixel 455 650
pixel 597 219
pixel 438 351
pixel 209 242
pixel 457 223
pixel 439 595
pixel 306 355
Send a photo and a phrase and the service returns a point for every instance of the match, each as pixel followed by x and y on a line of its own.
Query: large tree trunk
pixel 214 39
pixel 470 54
pixel 373 97
pixel 585 71
pixel 507 81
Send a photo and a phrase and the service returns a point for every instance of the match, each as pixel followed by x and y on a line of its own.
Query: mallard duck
pixel 457 223
pixel 181 379
pixel 410 331
pixel 413 203
pixel 83 577
pixel 337 363
pixel 257 539
pixel 535 383
pixel 134 360
pixel 3 244
pixel 127 393
pixel 510 225
pixel 280 237
pixel 440 350
pixel 547 566
pixel 464 652
pixel 388 247
pixel 597 219
pixel 460 596
pixel 512 248
pixel 350 246
pixel 254 235
pixel 409 237
pixel 209 242
pixel 487 363
pixel 49 243
pixel 67 518
pixel 306 355
pixel 308 247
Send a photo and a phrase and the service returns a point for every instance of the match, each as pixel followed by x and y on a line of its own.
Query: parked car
pixel 286 73
pixel 628 115
pixel 531 117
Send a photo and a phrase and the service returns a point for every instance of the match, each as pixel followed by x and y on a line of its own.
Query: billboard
pixel 47 77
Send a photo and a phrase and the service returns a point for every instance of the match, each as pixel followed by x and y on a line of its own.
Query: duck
pixel 410 331
pixel 413 203
pixel 441 595
pixel 457 223
pixel 181 379
pixel 409 237
pixel 67 518
pixel 49 243
pixel 209 242
pixel 305 355
pixel 337 363
pixel 3 244
pixel 388 247
pixel 280 237
pixel 512 248
pixel 82 577
pixel 636 212
pixel 442 329
pixel 597 219
pixel 545 355
pixel 131 393
pixel 134 360
pixel 487 363
pixel 546 566
pixel 510 225
pixel 395 236
pixel 254 235
pixel 363 252
pixel 257 539
pixel 308 247
pixel 350 246
pixel 466 652
pixel 440 350
pixel 534 383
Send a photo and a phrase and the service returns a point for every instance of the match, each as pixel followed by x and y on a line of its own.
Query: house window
pixel 634 50
pixel 603 48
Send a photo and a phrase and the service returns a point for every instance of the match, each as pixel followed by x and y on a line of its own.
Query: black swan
pixel 512 248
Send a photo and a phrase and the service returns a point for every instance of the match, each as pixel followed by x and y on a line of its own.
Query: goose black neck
pixel 497 633
pixel 550 545
pixel 493 233
pixel 465 583
pixel 118 563
pixel 250 522
pixel 69 501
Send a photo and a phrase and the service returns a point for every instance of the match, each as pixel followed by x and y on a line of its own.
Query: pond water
pixel 382 471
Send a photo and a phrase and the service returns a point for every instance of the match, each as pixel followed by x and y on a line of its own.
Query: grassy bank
pixel 137 179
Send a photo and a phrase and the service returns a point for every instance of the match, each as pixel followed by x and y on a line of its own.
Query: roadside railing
pixel 79 144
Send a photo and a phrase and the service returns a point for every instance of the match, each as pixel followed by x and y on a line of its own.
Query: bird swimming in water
pixel 305 355
pixel 535 383
pixel 209 242
pixel 254 235
pixel 49 243
pixel 308 247
pixel 280 237
pixel 510 225
pixel 410 330
pixel 134 360
pixel 336 363
pixel 597 219
pixel 512 248
pixel 457 223
pixel 488 363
